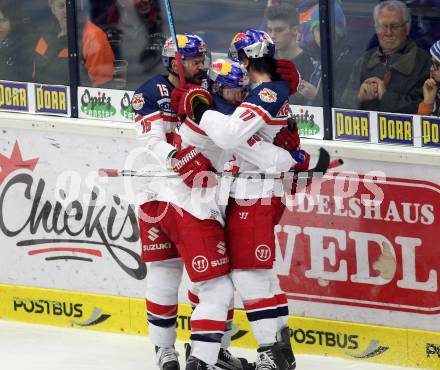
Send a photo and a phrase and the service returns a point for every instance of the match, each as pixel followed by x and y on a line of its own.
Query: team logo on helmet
pixel 268 95
pixel 190 45
pixel 169 42
pixel 202 48
pixel 265 36
pixel 222 67
pixel 182 40
pixel 228 73
pixel 138 101
pixel 239 36
pixel 254 43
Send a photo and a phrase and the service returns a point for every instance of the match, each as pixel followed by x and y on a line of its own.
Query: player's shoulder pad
pixel 269 95
pixel 153 95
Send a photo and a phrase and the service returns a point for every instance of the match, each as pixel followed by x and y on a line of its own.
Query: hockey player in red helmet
pixel 251 239
pixel 193 52
pixel 173 232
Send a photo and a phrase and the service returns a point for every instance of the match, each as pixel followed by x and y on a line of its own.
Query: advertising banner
pixel 111 105
pixel 310 121
pixel 375 248
pixel 385 128
pixel 395 129
pixel 14 96
pixel 34 98
pixel 51 99
pixel 352 125
pixel 61 225
pixel 431 132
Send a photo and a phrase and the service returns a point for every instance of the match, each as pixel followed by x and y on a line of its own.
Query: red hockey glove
pixel 287 139
pixel 191 101
pixel 194 168
pixel 288 72
pixel 176 95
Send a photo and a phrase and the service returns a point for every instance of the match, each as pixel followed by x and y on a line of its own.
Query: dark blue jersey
pixel 222 105
pixel 153 96
pixel 271 96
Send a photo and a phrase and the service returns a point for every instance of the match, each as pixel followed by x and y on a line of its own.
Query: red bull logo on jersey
pixel 268 95
pixel 137 102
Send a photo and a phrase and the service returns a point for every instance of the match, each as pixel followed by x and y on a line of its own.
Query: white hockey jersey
pixel 254 124
pixel 156 125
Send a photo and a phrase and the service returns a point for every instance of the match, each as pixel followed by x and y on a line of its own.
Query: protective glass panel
pixel 33 41
pixel 389 59
pixel 294 26
pixel 131 34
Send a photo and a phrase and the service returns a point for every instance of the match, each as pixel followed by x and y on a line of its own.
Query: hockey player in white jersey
pixel 250 226
pixel 229 79
pixel 174 230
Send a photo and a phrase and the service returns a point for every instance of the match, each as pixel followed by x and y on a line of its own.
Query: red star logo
pixel 8 165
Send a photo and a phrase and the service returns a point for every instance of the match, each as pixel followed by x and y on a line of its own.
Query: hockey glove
pixel 303 161
pixel 288 72
pixel 287 139
pixel 192 103
pixel 176 95
pixel 194 168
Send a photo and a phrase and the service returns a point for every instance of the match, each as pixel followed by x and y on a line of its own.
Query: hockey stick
pixel 170 18
pixel 322 165
pixel 320 169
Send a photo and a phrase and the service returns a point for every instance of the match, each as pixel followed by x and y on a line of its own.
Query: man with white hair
pixel 390 77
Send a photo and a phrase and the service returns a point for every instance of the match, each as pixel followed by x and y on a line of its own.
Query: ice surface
pixel 38 347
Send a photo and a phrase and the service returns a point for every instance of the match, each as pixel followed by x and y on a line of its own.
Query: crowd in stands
pixel 394 74
pixel 34 39
pixel 397 70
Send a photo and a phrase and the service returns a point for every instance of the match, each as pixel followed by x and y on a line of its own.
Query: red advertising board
pixel 363 241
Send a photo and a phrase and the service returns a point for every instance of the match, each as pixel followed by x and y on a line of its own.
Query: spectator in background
pixel 303 9
pixel 390 77
pixel 15 49
pixel 98 56
pixel 431 94
pixel 306 9
pixel 311 89
pixel 148 12
pixel 51 54
pixel 282 23
pixel 142 38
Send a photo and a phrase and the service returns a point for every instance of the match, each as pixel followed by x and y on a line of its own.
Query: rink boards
pixel 362 278
pixel 380 344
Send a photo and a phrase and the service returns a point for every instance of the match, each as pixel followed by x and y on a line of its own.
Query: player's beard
pixel 197 79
